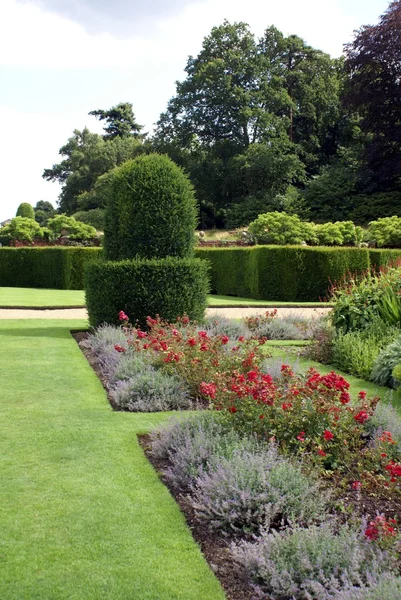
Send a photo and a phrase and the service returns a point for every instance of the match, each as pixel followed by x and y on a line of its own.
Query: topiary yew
pixel 151 210
pixel 25 210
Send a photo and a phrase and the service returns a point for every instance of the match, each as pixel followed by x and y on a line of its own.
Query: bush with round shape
pixel 281 228
pixel 329 234
pixel 151 210
pixel 93 217
pixel 167 287
pixel 25 210
pixel 68 226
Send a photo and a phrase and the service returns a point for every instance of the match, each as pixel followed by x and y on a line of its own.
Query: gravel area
pixel 234 313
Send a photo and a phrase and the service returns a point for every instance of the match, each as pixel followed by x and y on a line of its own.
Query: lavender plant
pixel 218 325
pixel 252 490
pixel 386 586
pixel 190 444
pixel 151 390
pixel 313 563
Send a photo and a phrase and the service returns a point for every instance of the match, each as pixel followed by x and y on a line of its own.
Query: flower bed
pixel 258 465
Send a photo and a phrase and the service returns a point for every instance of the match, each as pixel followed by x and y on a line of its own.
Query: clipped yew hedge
pixel 52 268
pixel 168 287
pixel 287 273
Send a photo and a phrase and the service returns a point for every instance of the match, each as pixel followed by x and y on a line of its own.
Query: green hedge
pixel 282 273
pixel 381 257
pixel 168 287
pixel 52 268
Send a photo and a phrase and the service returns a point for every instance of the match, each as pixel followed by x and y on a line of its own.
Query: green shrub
pixel 52 268
pixel 22 229
pixel 68 226
pixel 355 352
pixel 167 287
pixel 359 299
pixel 385 232
pixel 388 359
pixel 283 273
pixel 281 228
pixel 25 210
pixel 329 234
pixel 93 217
pixel 151 211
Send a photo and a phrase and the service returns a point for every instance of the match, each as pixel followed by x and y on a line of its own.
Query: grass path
pixel 39 298
pixel 83 516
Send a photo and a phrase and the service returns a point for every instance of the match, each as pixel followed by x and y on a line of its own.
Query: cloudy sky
pixel 59 59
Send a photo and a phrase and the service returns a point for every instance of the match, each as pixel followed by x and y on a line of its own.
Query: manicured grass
pixel 29 297
pixel 356 384
pixel 39 298
pixel 83 515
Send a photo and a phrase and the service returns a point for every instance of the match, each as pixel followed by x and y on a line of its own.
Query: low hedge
pixel 52 268
pixel 168 287
pixel 282 273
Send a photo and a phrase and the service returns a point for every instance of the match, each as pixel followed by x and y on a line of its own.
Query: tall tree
pixel 87 156
pixel 373 61
pixel 120 121
pixel 278 95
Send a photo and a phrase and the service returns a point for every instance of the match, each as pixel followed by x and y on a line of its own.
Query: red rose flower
pixel 328 435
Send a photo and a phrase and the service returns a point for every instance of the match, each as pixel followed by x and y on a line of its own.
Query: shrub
pixel 358 299
pixel 355 352
pixel 253 490
pixel 102 347
pixel 322 335
pixel 329 234
pixel 25 210
pixel 52 268
pixel 167 287
pixel 23 229
pixel 151 211
pixel 385 232
pixel 217 325
pixel 150 390
pixel 312 563
pixel 281 228
pixel 190 444
pixel 290 327
pixel 384 364
pixel 386 586
pixel 68 226
pixel 94 217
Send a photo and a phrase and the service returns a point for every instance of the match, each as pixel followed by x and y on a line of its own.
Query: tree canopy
pixel 120 121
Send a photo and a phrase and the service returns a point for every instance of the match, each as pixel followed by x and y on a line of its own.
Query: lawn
pixel 39 298
pixel 83 515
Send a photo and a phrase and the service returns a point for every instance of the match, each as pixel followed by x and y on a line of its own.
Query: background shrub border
pixel 282 273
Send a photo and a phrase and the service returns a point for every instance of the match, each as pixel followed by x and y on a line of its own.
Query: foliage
pixel 225 326
pixel 61 225
pixel 190 444
pixel 280 228
pixel 49 268
pixel 86 156
pixel 388 359
pixel 150 390
pixel 322 335
pixel 25 210
pixel 386 585
pixel 167 287
pixel 250 491
pixel 356 352
pixel 281 272
pixel 312 563
pixel 386 232
pixel 93 217
pixel 43 211
pixel 151 212
pixel 358 299
pixel 120 121
pixel 250 118
pixel 23 229
pixel 373 89
pixel 369 206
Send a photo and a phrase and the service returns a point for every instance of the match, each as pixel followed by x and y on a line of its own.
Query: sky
pixel 60 59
